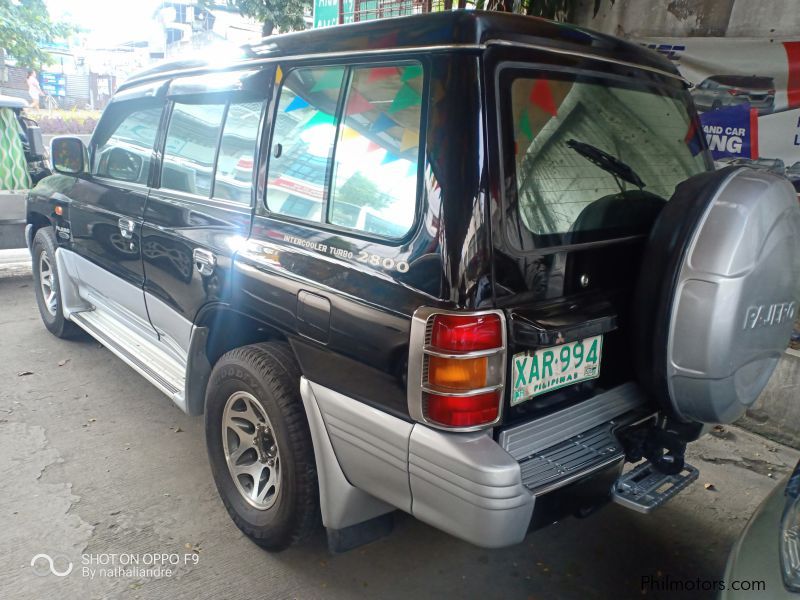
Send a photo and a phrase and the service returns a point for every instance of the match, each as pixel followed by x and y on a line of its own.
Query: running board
pixel 160 368
pixel 644 489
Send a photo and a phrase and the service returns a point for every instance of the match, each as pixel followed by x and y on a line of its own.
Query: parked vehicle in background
pixel 793 175
pixel 460 284
pixel 720 91
pixel 773 165
pixel 769 548
pixel 22 164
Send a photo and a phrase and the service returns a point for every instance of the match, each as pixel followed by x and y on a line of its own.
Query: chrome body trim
pixel 522 441
pixel 267 60
pixel 475 392
pixel 429 350
pixel 418 349
pixel 587 55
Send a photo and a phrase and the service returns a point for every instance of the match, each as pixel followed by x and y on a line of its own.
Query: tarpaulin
pixel 13 166
pixel 748 93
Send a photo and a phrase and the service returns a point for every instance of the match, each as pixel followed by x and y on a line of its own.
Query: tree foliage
pixel 286 15
pixel 25 27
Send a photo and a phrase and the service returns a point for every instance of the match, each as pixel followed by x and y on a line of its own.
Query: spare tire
pixel 718 293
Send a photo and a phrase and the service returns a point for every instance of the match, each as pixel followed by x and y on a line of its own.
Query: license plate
pixel 540 371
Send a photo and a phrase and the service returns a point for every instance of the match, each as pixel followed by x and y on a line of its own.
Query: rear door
pixel 587 159
pixel 198 213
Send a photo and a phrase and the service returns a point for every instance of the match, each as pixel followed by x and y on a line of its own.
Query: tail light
pixel 456 368
pixel 734 92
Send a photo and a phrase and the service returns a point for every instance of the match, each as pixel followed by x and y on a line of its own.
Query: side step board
pixel 644 489
pixel 160 368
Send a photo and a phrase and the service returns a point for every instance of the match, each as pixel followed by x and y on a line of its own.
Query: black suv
pixel 427 264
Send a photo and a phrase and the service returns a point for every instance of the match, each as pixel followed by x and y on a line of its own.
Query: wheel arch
pixel 218 328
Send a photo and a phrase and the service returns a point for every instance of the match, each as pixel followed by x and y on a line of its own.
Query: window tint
pixel 191 143
pixel 302 142
pixel 596 160
pixel 124 141
pixel 375 170
pixel 234 175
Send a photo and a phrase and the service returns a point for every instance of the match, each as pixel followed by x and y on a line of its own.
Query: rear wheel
pixel 47 288
pixel 259 445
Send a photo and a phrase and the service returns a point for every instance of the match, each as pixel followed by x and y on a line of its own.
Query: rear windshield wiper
pixel 607 162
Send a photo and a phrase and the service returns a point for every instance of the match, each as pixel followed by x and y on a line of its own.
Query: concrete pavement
pixel 95 461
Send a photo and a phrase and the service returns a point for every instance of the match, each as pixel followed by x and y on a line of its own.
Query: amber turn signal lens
pixel 457 374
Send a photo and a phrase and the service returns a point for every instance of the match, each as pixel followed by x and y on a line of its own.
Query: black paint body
pixel 347 321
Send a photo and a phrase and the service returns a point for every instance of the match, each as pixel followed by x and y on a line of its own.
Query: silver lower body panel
pixel 466 484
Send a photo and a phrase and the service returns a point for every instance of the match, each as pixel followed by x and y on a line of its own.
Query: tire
pixel 48 291
pixel 284 509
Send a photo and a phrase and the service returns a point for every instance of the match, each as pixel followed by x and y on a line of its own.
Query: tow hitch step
pixel 644 488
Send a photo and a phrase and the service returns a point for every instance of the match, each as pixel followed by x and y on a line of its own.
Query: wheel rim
pixel 251 450
pixel 47 283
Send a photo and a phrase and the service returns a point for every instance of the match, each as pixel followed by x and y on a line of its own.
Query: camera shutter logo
pixel 43 564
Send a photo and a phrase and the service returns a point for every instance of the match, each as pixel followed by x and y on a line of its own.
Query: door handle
pixel 126 227
pixel 204 261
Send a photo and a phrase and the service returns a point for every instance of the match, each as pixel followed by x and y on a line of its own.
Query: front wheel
pixel 47 285
pixel 259 445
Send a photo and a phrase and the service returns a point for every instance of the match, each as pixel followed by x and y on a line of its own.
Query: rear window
pixel 592 159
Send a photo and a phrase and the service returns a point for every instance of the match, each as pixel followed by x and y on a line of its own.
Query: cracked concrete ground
pixel 93 459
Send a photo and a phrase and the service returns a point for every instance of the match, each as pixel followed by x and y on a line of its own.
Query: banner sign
pixel 748 94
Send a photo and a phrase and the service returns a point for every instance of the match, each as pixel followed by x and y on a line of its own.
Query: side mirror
pixel 69 155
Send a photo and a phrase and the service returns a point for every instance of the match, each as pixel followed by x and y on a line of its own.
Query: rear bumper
pixel 465 484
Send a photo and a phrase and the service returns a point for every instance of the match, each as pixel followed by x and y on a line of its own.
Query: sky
pixel 107 22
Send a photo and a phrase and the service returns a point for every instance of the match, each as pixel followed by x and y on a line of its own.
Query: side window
pixel 191 143
pixel 375 169
pixel 123 143
pixel 234 174
pixel 302 142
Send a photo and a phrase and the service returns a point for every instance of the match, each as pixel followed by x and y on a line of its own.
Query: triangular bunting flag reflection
pixel 278 75
pixel 330 79
pixel 525 125
pixel 357 104
pixel 348 133
pixel 411 72
pixel 372 146
pixel 410 139
pixel 406 98
pixel 319 118
pixel 296 103
pixel 542 96
pixel 382 123
pixel 389 158
pixel 379 73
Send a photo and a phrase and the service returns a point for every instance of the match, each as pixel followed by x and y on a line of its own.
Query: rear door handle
pixel 126 227
pixel 204 261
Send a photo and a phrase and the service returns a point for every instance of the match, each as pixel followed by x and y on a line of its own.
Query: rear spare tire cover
pixel 718 293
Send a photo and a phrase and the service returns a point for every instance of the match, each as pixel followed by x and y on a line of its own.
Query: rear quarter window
pixel 345 147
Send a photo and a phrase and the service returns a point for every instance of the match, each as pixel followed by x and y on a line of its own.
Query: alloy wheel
pixel 251 450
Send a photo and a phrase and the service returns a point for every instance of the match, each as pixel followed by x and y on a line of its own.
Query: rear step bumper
pixel 467 484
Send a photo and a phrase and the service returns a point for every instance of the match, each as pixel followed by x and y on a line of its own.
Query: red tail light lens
pixel 462 411
pixel 459 333
pixel 734 92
